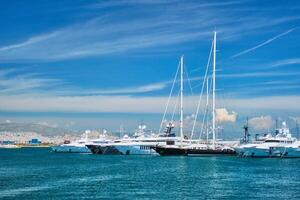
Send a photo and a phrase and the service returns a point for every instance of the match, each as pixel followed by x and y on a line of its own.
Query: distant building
pixel 6 142
pixel 34 142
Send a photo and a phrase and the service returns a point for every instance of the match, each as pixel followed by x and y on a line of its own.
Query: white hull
pixel 135 149
pixel 270 152
pixel 70 149
pixel 256 152
pixel 286 152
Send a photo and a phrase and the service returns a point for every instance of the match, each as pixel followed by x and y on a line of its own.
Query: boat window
pixel 170 142
pixel 272 141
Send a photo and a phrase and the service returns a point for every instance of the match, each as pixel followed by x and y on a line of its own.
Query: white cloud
pixel 111 104
pixel 130 90
pixel 278 103
pixel 111 33
pixel 27 83
pixel 10 83
pixel 28 42
pixel 133 104
pixel 284 62
pixel 261 123
pixel 222 115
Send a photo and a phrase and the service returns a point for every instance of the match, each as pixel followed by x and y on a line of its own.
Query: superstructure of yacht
pixel 198 148
pixel 282 145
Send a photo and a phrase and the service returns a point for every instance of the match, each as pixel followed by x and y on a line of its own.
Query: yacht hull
pixel 272 152
pixel 177 151
pixel 170 151
pixel 287 152
pixel 104 150
pixel 70 149
pixel 210 152
pixel 135 150
pixel 256 152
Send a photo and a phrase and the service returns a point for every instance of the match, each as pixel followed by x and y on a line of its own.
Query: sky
pixel 91 64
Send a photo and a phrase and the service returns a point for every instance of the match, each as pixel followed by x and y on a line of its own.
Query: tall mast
pixel 206 112
pixel 214 93
pixel 181 98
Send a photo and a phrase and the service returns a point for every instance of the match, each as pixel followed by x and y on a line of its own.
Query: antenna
pixel 121 130
pixel 246 134
pixel 276 127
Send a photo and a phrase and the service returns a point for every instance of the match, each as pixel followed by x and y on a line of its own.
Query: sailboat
pixel 197 148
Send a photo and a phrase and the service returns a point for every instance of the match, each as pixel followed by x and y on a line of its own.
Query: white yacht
pixel 283 145
pixel 79 146
pixel 139 144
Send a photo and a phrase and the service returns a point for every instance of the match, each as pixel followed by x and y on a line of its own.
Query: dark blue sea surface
pixel 37 173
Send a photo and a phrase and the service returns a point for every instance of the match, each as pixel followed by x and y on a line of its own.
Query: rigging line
pixel 205 114
pixel 206 110
pixel 176 105
pixel 200 97
pixel 204 118
pixel 189 81
pixel 170 95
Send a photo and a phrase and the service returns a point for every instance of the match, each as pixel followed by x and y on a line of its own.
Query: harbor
pixel 150 99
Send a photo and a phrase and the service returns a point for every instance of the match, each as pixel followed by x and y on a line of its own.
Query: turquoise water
pixel 39 174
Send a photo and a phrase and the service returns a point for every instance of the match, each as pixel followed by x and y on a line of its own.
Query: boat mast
pixel 206 112
pixel 297 126
pixel 181 98
pixel 121 130
pixel 214 93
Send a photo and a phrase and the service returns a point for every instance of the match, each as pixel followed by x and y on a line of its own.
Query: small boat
pixel 9 146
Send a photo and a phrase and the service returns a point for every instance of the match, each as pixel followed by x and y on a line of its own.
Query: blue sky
pixel 103 63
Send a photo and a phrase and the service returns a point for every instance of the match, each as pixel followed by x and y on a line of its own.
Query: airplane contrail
pixel 262 44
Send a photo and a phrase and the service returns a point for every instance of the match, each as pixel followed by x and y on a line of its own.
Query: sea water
pixel 38 173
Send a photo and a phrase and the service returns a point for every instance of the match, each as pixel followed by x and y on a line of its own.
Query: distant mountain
pixel 32 127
